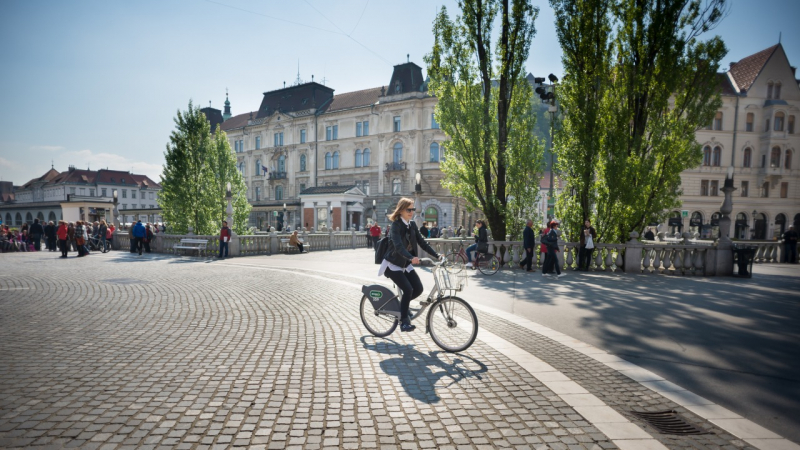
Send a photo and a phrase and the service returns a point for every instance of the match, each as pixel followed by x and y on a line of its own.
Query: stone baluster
pixel 687 261
pixel 677 263
pixel 699 259
pixel 568 256
pixel 609 260
pixel 618 261
pixel 598 259
pixel 646 261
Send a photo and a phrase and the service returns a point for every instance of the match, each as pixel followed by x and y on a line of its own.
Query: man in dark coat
pixel 50 234
pixel 528 242
pixel 790 245
pixel 36 233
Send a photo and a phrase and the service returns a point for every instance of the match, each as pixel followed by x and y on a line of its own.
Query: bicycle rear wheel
pixel 378 323
pixel 456 261
pixel 488 264
pixel 453 324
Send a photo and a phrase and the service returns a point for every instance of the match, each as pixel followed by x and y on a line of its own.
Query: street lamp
pixel 229 209
pixel 547 94
pixel 285 219
pixel 417 194
pixel 374 212
pixel 115 211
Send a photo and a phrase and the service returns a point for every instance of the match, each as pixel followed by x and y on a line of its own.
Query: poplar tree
pixel 492 158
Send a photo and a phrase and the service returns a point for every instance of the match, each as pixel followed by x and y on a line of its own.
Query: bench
pixel 286 247
pixel 192 244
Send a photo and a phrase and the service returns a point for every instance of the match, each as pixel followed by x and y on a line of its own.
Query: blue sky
pixel 97 83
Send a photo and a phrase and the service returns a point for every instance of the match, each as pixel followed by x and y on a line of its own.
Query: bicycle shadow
pixel 419 373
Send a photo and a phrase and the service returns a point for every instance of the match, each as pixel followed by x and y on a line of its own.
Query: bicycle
pixel 451 321
pixel 487 263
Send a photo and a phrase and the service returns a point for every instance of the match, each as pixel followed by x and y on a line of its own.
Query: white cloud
pixel 47 148
pixel 96 161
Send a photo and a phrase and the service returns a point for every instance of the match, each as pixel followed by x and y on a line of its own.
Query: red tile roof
pixel 747 69
pixel 350 100
pixel 101 176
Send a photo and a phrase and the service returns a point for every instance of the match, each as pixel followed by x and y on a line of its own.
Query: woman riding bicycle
pixel 480 236
pixel 401 255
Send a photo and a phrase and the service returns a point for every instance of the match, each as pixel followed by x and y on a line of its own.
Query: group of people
pixel 81 236
pixel 141 236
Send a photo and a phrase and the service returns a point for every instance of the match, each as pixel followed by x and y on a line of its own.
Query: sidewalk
pixel 269 352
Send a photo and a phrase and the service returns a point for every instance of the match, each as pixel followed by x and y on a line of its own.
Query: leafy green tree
pixel 638 83
pixel 493 159
pixel 198 167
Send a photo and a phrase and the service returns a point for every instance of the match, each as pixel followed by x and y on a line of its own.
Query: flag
pixel 264 168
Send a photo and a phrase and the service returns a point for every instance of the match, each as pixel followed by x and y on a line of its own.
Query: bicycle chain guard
pixel 382 299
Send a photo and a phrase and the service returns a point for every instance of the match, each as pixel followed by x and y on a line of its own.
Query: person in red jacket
pixel 375 233
pixel 61 234
pixel 224 238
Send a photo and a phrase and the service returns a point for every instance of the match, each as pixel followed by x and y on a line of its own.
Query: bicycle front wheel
pixel 456 261
pixel 453 324
pixel 378 323
pixel 489 264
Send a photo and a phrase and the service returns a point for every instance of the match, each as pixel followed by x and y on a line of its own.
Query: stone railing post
pixel 633 254
pixel 330 240
pixel 235 246
pixel 274 241
pixel 353 238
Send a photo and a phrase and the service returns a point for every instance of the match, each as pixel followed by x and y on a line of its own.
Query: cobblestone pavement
pixel 113 351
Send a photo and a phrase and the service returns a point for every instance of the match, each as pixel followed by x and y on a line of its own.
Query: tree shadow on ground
pixel 421 373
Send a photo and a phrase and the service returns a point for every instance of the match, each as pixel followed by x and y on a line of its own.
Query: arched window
pixel 706 155
pixel 258 193
pixel 302 163
pixel 750 120
pixel 787 160
pixel 358 158
pixel 778 90
pixel 258 167
pixel 18 220
pixel 397 153
pixel 718 121
pixel 328 161
pixel 770 87
pixel 40 216
pixel 8 219
pixel 335 160
pixel 396 187
pixel 790 125
pixel 434 152
pixel 50 218
pixel 29 218
pixel 775 158
pixel 779 116
pixel 282 164
pixel 747 159
pixel 258 142
pixel 717 156
pixel 366 157
pixel 279 193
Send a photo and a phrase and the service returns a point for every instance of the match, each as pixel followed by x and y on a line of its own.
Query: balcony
pixel 277 176
pixel 395 167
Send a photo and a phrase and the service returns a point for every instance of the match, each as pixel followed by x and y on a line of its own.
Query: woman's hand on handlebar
pixel 415 260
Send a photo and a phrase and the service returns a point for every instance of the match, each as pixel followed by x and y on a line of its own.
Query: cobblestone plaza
pixel 116 351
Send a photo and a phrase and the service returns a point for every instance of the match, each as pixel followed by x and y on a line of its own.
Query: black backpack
pixel 381 247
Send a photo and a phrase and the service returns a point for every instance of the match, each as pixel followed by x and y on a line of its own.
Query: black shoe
pixel 405 325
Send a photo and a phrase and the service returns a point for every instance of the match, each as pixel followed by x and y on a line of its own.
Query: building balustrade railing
pixel 395 166
pixel 277 175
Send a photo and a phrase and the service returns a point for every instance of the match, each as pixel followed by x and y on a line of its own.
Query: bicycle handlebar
pixel 435 263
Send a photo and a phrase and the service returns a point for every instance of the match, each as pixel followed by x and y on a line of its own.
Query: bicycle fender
pixel 382 299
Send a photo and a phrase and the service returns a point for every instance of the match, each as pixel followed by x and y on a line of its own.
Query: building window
pixel 396 187
pixel 717 156
pixel 704 188
pixel 236 146
pixel 778 90
pixel 749 123
pixel 72 191
pixel 790 125
pixel 241 168
pixel 765 189
pixel 434 152
pixel 745 186
pixel 328 161
pixel 258 193
pixel 91 192
pixel 397 154
pixel 302 136
pixel 328 133
pixel 332 133
pixel 279 139
pixel 714 189
pixel 766 126
pixel 258 167
pixel 152 196
pixel 258 142
pixel 124 192
pixel 335 132
pixel 83 192
pixel 302 163
pixel 784 190
pixel 133 193
pixel 434 123
pixel 366 156
pixel 124 206
pixel 747 158
pixel 282 164
pixel 396 123
pixel 103 192
pixel 279 193
pixel 335 160
pixel 769 89
pixel 787 160
pixel 775 158
pixel 358 129
pixel 365 128
pixel 302 187
pixel 763 161
pixel 365 187
pixel 779 121
pixel 718 121
pixel 358 158
pixel 706 156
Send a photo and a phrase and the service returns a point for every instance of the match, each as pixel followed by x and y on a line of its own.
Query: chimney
pixel 794 69
pixel 731 64
pixel 71 168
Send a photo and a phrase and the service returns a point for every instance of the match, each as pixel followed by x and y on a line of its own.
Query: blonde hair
pixel 402 205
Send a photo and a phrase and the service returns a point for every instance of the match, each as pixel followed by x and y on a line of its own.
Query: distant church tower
pixel 227 113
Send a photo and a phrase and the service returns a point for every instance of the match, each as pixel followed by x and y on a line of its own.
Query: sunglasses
pixel 411 209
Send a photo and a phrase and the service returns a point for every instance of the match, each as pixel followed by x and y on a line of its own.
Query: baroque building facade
pixel 755 132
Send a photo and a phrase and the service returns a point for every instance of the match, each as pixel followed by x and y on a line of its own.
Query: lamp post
pixel 229 209
pixel 725 210
pixel 548 95
pixel 753 229
pixel 417 194
pixel 285 219
pixel 374 213
pixel 115 211
pixel 330 219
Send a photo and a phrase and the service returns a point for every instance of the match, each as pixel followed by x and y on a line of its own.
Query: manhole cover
pixel 668 422
pixel 124 281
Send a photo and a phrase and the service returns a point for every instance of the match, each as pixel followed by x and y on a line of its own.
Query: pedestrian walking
pixel 528 243
pixel 148 237
pixel 224 239
pixel 424 231
pixel 587 245
pixel 375 234
pixel 80 239
pixel 36 234
pixel 61 234
pixel 551 259
pixel 50 236
pixel 369 235
pixel 139 233
pixel 790 245
pixel 102 231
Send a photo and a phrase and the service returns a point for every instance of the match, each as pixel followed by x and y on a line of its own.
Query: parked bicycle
pixel 96 244
pixel 486 263
pixel 451 321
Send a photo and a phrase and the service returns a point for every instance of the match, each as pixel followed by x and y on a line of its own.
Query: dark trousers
pixel 375 240
pixel 409 283
pixel 223 246
pixel 369 241
pixel 146 245
pixel 37 242
pixel 550 262
pixel 790 249
pixel 300 247
pixel 51 244
pixel 528 258
pixel 585 258
pixel 64 248
pixel 133 244
pixel 138 244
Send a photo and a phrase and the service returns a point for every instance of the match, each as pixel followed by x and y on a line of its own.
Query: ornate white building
pixel 755 131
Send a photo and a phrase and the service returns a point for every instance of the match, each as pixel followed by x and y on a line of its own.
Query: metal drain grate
pixel 668 422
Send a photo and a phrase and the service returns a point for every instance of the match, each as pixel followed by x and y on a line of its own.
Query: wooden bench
pixel 286 247
pixel 192 244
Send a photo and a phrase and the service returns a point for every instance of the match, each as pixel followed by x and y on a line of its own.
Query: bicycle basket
pixel 450 280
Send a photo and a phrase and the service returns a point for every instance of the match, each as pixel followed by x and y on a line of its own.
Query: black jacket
pixel 528 238
pixel 401 237
pixel 50 231
pixel 36 230
pixel 482 235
